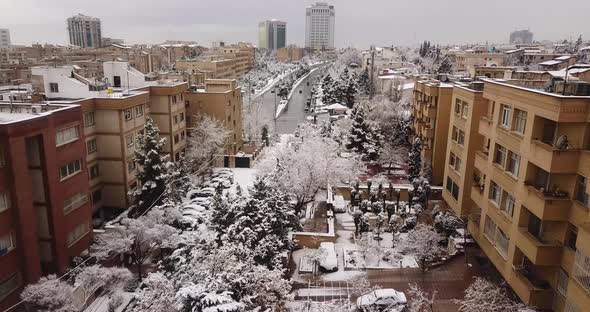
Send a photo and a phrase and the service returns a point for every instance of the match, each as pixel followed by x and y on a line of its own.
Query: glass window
pixel 128 115
pixel 75 202
pixel 465 110
pixel 500 155
pixel 452 160
pixel 455 134
pixel 513 163
pixel 461 137
pixel 582 269
pixel 53 87
pixel 67 135
pixel 129 139
pixel 489 229
pixel 508 204
pixel 581 194
pixel 562 282
pixel 10 284
pixel 519 121
pixel 131 166
pixel 453 188
pixel 502 242
pixel 505 115
pixel 89 119
pixel 495 193
pixel 571 236
pixel 70 169
pixel 96 196
pixel 138 110
pixel 91 146
pixel 458 107
pixel 7 243
pixel 80 231
pixel 4 201
pixel 94 172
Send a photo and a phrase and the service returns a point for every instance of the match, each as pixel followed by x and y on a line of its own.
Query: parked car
pixel 381 299
pixel 201 201
pixel 328 258
pixel 339 204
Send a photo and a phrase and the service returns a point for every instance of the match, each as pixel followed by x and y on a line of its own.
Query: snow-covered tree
pixel 157 295
pixel 484 296
pixel 253 119
pixel 415 160
pixel 392 155
pixel 423 242
pixel 137 238
pixel 364 82
pixel 446 66
pixel 303 168
pixel 346 88
pixel 329 92
pixel 94 277
pixel 447 223
pixel 420 300
pixel 49 294
pixel 363 138
pixel 420 193
pixel 152 173
pixel 206 140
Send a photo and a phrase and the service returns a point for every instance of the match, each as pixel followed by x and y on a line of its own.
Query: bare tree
pixel 206 140
pixel 484 296
pixel 420 300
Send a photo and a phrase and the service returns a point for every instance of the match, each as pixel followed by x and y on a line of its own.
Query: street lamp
pixel 275 116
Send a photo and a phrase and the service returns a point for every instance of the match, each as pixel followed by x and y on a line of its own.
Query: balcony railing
pixel 533 290
pixel 550 206
pixel 485 124
pixel 539 252
pixel 552 159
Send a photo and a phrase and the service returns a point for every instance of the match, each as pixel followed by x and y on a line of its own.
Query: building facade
pixel 272 35
pixel 84 31
pixel 4 38
pixel 319 26
pixel 45 211
pixel 290 54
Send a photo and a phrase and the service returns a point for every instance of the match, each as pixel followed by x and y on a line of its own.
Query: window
pixel 519 121
pixel 53 87
pixel 174 99
pixel 89 119
pixel 458 164
pixel 138 111
pixel 582 269
pixel 67 135
pixel 128 115
pixel 138 136
pixel 175 119
pixel 453 188
pixel 461 137
pixel 571 236
pixel 94 172
pixel 495 193
pixel 455 134
pixel 581 194
pixel 465 110
pixel 75 202
pixel 70 169
pixel 91 146
pixel 7 243
pixel 182 135
pixel 80 231
pixel 489 229
pixel 505 115
pixel 4 201
pixel 181 117
pixel 129 140
pixel 513 163
pixel 500 155
pixel 452 159
pixel 96 196
pixel 10 284
pixel 508 204
pixel 562 281
pixel 176 138
pixel 458 107
pixel 130 166
pixel 502 242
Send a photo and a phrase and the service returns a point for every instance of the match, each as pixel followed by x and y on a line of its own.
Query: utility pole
pixel 372 86
pixel 275 116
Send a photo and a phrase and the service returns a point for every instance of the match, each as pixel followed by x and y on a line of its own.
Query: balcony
pixel 481 161
pixel 429 111
pixel 532 290
pixel 485 126
pixel 539 252
pixel 554 160
pixel 427 132
pixel 547 205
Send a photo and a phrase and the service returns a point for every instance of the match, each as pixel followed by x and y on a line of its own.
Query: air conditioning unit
pixel 36 109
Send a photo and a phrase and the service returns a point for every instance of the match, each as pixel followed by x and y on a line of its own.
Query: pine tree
pixel 152 174
pixel 363 83
pixel 415 160
pixel 363 139
pixel 578 44
pixel 446 66
pixel 328 89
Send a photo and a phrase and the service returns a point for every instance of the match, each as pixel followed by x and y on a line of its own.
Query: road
pixel 292 115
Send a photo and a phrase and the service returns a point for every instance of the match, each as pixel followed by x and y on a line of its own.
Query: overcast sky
pixel 359 23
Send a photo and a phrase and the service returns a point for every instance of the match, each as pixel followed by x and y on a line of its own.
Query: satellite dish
pixel 561 142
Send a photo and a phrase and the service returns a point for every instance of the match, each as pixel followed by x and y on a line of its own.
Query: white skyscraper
pixel 272 35
pixel 319 26
pixel 4 38
pixel 84 31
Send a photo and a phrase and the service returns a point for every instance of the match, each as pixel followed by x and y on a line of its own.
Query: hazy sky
pixel 359 23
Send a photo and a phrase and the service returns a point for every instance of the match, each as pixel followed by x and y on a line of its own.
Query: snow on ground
pixel 101 304
pixel 244 177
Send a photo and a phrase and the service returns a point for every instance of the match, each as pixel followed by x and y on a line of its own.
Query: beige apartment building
pixel 220 99
pixel 216 66
pixel 431 110
pixel 290 54
pixel 465 61
pixel 530 191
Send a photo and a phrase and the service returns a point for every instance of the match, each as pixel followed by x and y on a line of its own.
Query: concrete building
pixel 4 38
pixel 529 188
pixel 290 54
pixel 431 108
pixel 84 31
pixel 12 57
pixel 45 211
pixel 220 99
pixel 319 26
pixel 524 36
pixel 467 60
pixel 272 35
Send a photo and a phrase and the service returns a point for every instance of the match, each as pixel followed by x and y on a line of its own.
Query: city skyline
pixel 208 21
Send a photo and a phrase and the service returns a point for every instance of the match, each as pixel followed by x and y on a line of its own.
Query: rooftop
pixel 12 113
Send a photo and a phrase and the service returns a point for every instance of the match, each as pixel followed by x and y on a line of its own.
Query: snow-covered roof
pixel 336 106
pixel 551 62
pixel 564 58
pixel 585 49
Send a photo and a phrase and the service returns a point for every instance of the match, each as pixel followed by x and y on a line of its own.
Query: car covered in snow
pixel 328 257
pixel 386 299
pixel 201 201
pixel 339 204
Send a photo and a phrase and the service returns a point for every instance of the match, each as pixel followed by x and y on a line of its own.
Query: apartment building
pixel 272 35
pixel 113 118
pixel 12 57
pixel 217 66
pixel 320 19
pixel 468 107
pixel 220 99
pixel 531 193
pixel 45 211
pixel 84 31
pixel 431 109
pixel 465 61
pixel 4 38
pixel 290 54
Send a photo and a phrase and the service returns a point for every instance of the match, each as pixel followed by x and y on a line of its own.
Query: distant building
pixel 106 41
pixel 290 54
pixel 524 36
pixel 84 31
pixel 4 38
pixel 272 35
pixel 319 26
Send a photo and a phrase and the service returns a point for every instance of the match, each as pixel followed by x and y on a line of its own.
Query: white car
pixel 328 258
pixel 339 204
pixel 381 299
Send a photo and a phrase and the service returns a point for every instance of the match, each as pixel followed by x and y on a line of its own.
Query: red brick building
pixel 45 212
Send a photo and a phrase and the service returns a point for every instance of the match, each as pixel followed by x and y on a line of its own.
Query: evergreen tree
pixel 349 89
pixel 329 90
pixel 152 173
pixel 364 83
pixel 180 181
pixel 363 139
pixel 414 159
pixel 578 44
pixel 446 66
